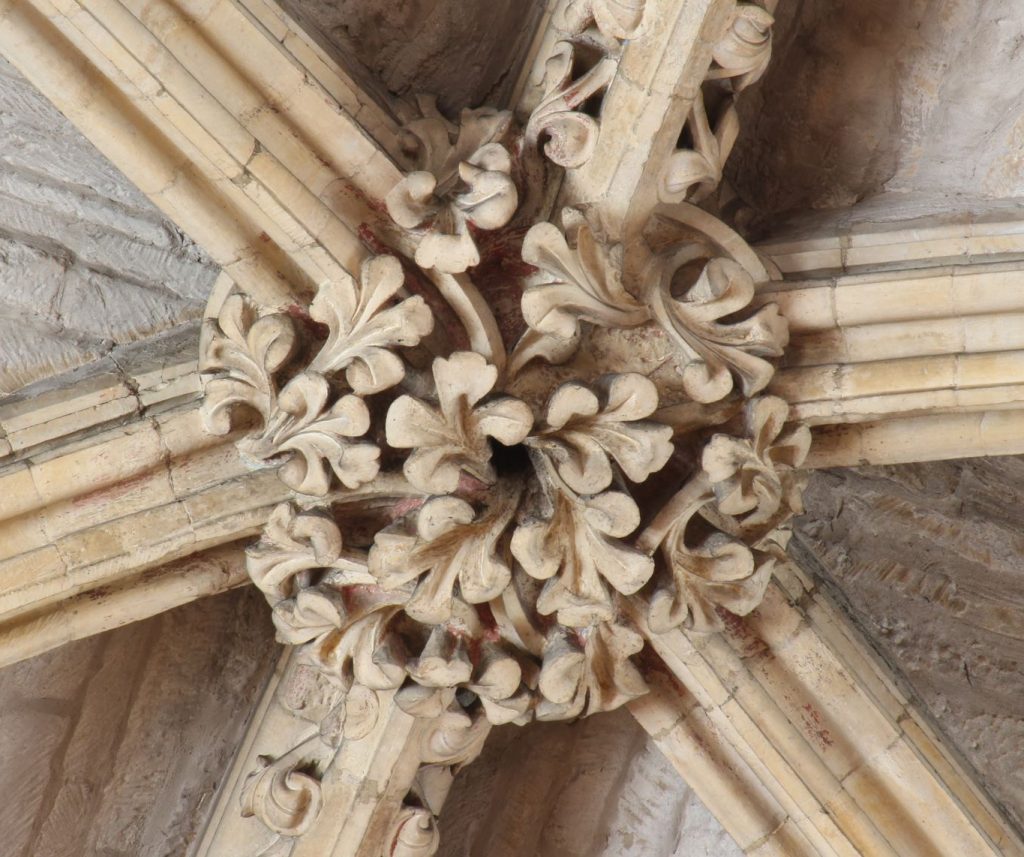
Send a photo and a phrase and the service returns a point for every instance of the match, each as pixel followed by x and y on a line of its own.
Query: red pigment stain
pixel 581 636
pixel 490 634
pixel 814 724
pixel 404 507
pixel 315 328
pixel 500 275
pixel 370 239
pixel 264 238
pixel 474 647
pixel 653 668
pixel 343 187
pixel 113 492
pixel 472 488
pixel 358 595
pixel 489 622
pixel 737 628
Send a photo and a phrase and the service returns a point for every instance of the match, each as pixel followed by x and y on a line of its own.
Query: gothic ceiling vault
pixel 612 406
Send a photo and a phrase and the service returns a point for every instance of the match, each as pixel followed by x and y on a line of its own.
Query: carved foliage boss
pixel 467 528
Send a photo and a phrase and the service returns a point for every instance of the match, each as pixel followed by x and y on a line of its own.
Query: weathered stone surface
pixel 154 729
pixel 86 261
pixel 928 559
pixel 865 96
pixel 113 746
pixel 466 51
pixel 597 788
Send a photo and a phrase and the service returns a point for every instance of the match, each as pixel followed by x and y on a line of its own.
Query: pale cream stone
pixel 930 813
pixel 22 534
pixel 808 309
pixel 871 676
pixel 28 574
pixel 858 821
pixel 909 438
pixel 805 260
pixel 150 489
pixel 92 553
pixel 924 741
pixel 18 492
pixel 96 611
pixel 986 370
pixel 114 457
pixel 894 300
pixel 894 341
pixel 214 77
pixel 987 291
pixel 720 776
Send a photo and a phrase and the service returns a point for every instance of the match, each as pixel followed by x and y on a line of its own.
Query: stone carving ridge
pixel 302 419
pixel 741 56
pixel 282 797
pixel 414 833
pixel 594 31
pixel 462 178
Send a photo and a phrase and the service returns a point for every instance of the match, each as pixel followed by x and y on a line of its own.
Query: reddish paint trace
pixel 738 628
pixel 370 239
pixel 500 275
pixel 814 723
pixel 418 284
pixel 357 596
pixel 404 507
pixel 110 492
pixel 343 187
pixel 314 328
pixel 491 633
pixel 471 488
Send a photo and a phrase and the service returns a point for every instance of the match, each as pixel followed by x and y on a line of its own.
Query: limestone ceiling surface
pixel 863 98
pixel 86 261
pixel 466 51
pixel 867 96
pixel 112 744
pixel 608 791
pixel 930 559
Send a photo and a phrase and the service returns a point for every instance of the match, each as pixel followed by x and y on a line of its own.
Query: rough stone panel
pixel 597 788
pixel 86 262
pixel 25 776
pixel 88 761
pixel 466 51
pixel 865 96
pixel 928 560
pixel 114 745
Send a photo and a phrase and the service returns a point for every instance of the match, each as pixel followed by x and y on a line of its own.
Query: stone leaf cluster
pixel 460 541
pixel 694 172
pixel 502 581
